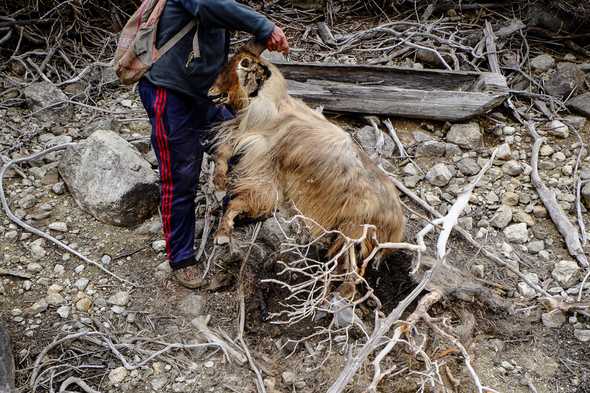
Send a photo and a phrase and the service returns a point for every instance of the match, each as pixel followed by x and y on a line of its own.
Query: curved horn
pixel 254 47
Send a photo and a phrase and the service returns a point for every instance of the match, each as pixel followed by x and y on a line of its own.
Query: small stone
pixel 536 246
pixel 431 149
pixel 209 364
pixel 508 130
pixel 11 235
pixel 192 305
pixel 118 310
pixel 63 311
pixel 559 157
pixel 539 211
pixel 502 217
pixel 81 283
pixel 37 251
pixel 159 245
pixel 410 170
pixel 512 168
pixel 466 223
pixel 510 198
pixel 127 103
pixel 79 269
pixel 524 289
pixel 468 167
pixel 582 335
pixel 553 319
pixel 106 260
pixel 164 267
pixel 478 271
pixel 542 62
pixel 467 135
pixel 507 365
pixel 517 233
pixel 59 270
pixel 566 273
pixel 118 375
pixel 38 307
pixel 504 153
pixel 84 304
pixel 158 383
pixel 58 188
pixel 546 151
pixel 120 298
pixel 439 175
pixel 58 226
pixel 54 299
pixel 34 267
pixel 288 378
pixel 519 216
pixel 557 128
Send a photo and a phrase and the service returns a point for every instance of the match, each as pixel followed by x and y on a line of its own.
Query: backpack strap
pixel 178 36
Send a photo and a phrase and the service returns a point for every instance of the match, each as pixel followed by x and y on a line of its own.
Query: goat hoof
pixel 221 239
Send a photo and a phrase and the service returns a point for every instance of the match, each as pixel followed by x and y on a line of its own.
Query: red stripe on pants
pixel 165 167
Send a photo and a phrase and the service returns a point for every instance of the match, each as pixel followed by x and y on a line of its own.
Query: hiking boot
pixel 189 277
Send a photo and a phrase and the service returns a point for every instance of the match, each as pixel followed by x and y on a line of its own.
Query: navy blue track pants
pixel 180 125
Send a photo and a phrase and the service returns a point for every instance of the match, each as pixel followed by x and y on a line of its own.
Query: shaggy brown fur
pixel 291 153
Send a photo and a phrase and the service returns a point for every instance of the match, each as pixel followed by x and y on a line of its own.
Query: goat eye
pixel 245 63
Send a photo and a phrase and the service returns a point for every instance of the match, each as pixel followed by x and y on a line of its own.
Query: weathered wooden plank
pixel 389 76
pixel 393 101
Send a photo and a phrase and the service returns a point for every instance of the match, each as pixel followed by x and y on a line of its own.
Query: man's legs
pixel 175 138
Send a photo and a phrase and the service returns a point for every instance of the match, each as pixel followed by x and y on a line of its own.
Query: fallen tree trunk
pixel 424 94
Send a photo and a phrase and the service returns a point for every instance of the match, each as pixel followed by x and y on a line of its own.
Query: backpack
pixel 136 50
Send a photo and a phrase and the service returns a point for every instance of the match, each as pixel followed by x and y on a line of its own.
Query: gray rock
pixel 34 267
pixel 289 378
pixel 557 128
pixel 582 335
pixel 524 289
pixel 42 95
pixel 192 305
pixel 63 311
pixel 452 150
pixel 431 149
pixel 120 298
pixel 106 260
pixel 109 178
pixel 517 233
pixel 54 299
pixel 566 78
pixel 439 175
pixel 553 319
pixel 536 246
pixel 37 307
pixel 37 250
pixel 421 136
pixel 502 217
pixel 81 283
pixel 158 383
pixel 468 167
pixel 542 62
pixel 566 273
pixel 58 226
pixel 159 245
pixel 410 170
pixel 512 168
pixel 467 135
pixel 577 122
pixel 510 198
pixel 58 188
pixel 367 138
pixel 117 375
pixel 580 104
pixel 504 153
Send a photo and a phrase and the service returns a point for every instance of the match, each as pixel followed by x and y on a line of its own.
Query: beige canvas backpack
pixel 136 49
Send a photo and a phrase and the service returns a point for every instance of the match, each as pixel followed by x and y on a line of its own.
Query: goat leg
pixel 222 156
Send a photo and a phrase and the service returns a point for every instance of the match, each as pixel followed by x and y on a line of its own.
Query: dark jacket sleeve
pixel 231 15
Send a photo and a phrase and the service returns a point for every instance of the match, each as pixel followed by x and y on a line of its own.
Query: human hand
pixel 277 42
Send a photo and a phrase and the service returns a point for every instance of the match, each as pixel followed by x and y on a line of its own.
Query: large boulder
pixel 109 178
pixel 46 101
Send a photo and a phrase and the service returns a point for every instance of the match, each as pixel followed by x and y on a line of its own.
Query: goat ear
pixel 254 47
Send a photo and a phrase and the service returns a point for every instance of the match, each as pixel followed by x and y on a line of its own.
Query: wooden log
pixel 367 89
